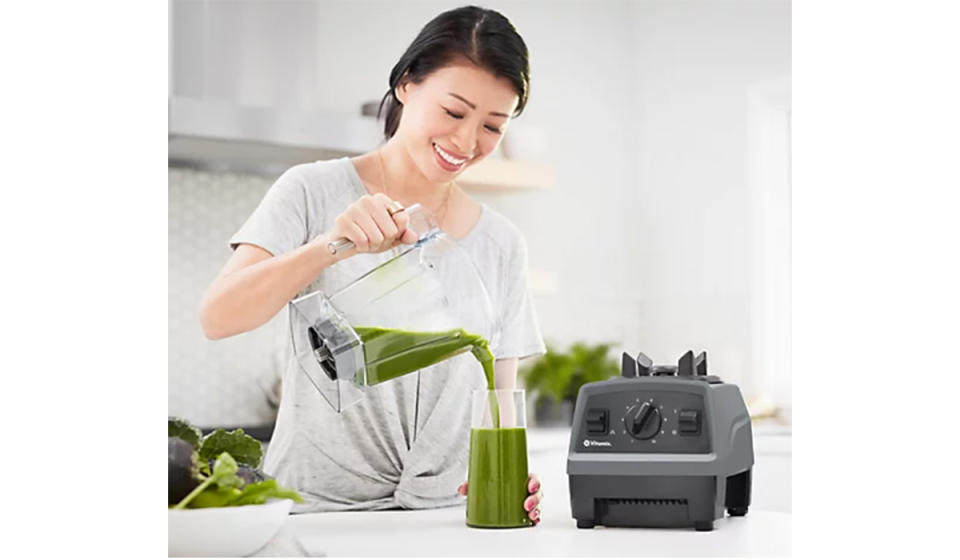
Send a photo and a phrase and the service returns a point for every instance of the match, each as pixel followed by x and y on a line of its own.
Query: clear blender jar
pixel 423 306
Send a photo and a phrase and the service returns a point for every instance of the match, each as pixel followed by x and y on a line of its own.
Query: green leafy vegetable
pixel 224 476
pixel 240 446
pixel 215 497
pixel 178 427
pixel 258 492
pixel 218 470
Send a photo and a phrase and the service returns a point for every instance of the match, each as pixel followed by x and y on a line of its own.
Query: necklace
pixel 443 206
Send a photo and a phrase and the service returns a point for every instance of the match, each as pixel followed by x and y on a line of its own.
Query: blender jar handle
pixel 420 222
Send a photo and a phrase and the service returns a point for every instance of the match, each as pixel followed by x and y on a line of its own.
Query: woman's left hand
pixel 531 504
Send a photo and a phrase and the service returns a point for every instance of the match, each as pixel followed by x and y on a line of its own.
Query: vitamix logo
pixel 593 443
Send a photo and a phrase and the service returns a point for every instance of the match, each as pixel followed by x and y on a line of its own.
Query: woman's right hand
pixel 369 225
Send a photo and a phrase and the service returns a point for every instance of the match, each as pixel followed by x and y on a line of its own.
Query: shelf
pixel 242 156
pixel 498 175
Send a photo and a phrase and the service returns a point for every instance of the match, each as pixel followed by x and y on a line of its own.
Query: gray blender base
pixel 663 501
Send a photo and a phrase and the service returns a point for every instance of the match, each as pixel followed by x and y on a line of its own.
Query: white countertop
pixel 443 532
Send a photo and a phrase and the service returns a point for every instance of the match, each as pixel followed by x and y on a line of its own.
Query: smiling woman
pixel 447 131
pixel 451 98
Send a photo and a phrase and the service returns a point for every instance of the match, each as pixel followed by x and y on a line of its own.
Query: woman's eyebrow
pixel 472 106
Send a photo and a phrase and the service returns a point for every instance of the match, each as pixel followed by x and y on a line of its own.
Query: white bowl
pixel 224 531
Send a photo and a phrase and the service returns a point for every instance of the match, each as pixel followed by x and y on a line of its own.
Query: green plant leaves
pixel 243 448
pixel 559 375
pixel 178 427
pixel 220 485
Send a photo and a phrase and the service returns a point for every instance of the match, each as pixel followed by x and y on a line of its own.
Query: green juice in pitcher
pixel 390 353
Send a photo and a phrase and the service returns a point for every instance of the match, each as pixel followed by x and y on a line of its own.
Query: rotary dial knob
pixel 642 420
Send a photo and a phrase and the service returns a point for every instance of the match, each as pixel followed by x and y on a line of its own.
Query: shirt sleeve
pixel 279 223
pixel 520 332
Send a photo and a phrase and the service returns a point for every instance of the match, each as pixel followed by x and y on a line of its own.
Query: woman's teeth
pixel 447 157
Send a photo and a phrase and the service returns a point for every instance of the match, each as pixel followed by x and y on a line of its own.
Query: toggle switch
pixel 689 422
pixel 597 421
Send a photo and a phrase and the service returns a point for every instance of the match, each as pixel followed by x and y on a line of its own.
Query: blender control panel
pixel 643 422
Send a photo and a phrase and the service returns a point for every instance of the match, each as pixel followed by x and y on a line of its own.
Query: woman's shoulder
pixel 323 178
pixel 497 229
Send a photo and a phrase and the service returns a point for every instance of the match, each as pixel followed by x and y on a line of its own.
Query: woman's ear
pixel 400 92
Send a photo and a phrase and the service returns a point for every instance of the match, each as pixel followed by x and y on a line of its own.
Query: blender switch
pixel 689 421
pixel 597 421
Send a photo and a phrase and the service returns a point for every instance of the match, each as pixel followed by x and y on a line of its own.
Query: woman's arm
pixel 505 373
pixel 254 285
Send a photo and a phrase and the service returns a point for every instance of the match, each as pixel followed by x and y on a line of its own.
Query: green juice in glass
pixel 497 481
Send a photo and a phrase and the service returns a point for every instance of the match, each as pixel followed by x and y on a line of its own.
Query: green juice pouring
pixel 498 454
pixel 419 308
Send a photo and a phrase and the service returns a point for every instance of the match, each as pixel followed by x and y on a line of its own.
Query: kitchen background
pixel 649 173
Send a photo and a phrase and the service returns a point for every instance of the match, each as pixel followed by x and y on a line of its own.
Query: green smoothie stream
pixel 497 480
pixel 390 353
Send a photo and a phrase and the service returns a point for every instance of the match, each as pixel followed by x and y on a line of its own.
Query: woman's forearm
pixel 505 373
pixel 248 297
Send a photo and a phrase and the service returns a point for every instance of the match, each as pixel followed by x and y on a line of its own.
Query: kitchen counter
pixel 764 531
pixel 442 532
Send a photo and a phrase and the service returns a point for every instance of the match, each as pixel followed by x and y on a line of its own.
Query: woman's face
pixel 454 118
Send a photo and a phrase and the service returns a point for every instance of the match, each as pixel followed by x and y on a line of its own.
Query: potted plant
pixel 555 379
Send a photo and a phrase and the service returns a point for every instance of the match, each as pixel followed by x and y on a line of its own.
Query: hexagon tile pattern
pixel 227 382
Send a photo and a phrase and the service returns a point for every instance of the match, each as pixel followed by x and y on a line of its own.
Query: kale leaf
pixel 178 427
pixel 240 446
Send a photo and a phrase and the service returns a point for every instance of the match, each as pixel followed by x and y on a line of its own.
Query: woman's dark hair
pixel 484 37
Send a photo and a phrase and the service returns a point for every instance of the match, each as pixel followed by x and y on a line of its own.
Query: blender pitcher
pixel 421 307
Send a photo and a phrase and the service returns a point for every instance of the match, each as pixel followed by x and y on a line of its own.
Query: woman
pixel 452 96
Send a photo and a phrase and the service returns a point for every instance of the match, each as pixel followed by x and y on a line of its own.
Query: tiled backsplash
pixel 225 382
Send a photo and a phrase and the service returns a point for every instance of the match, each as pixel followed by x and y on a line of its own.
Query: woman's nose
pixel 465 140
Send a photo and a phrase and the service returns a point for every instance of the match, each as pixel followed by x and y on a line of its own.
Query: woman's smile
pixel 448 161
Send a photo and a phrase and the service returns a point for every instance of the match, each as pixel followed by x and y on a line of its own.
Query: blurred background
pixel 650 174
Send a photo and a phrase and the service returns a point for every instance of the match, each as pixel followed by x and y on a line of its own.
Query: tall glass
pixel 497 480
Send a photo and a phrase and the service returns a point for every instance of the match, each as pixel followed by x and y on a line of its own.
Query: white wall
pixel 701 212
pixel 663 227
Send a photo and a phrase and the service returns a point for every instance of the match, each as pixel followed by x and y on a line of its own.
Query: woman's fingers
pixel 370 228
pixel 378 208
pixel 355 233
pixel 533 512
pixel 374 224
pixel 407 236
pixel 462 489
pixel 532 503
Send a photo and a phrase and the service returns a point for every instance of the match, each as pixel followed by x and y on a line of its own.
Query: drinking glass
pixel 497 479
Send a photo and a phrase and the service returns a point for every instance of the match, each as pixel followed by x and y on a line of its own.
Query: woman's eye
pixel 458 116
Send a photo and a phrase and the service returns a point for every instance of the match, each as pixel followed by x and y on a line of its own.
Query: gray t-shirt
pixel 406 444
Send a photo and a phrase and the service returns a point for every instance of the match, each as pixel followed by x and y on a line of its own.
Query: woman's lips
pixel 447 165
